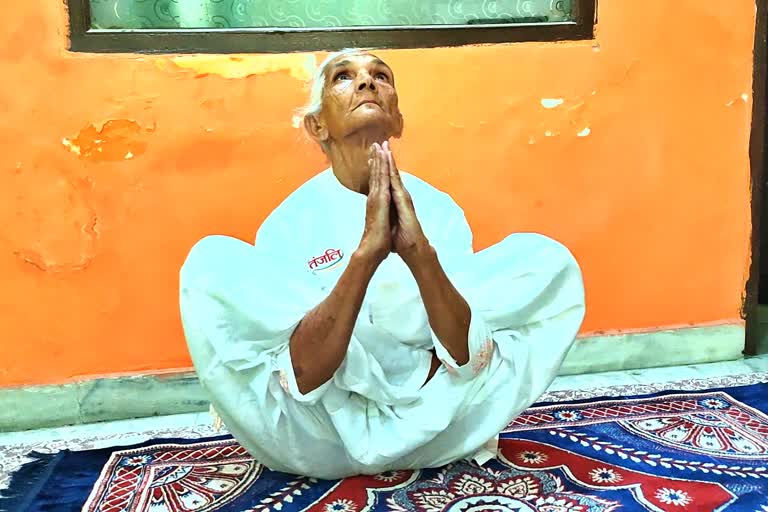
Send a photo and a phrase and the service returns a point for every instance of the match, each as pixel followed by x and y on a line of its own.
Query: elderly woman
pixel 361 334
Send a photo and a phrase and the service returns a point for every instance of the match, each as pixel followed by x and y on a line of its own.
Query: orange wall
pixel 111 167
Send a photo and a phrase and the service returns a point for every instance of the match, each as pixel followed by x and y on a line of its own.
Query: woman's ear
pixel 315 128
pixel 398 126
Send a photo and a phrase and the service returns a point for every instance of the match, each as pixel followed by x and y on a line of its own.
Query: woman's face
pixel 360 96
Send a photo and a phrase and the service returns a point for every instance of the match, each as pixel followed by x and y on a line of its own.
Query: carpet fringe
pixel 27 481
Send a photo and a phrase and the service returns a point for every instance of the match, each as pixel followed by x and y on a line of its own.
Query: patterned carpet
pixel 695 445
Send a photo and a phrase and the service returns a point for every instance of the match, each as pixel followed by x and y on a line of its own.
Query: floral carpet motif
pixel 694 450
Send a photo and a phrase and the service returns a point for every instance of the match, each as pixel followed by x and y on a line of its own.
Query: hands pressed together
pixel 391 224
pixel 319 344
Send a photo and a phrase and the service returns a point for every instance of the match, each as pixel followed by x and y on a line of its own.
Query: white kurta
pixel 240 304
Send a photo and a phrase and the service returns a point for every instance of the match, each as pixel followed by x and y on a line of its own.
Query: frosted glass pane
pixel 158 14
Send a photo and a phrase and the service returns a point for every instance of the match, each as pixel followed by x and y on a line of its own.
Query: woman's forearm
pixel 319 343
pixel 449 314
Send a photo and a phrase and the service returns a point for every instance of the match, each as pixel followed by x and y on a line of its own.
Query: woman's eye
pixel 382 76
pixel 342 76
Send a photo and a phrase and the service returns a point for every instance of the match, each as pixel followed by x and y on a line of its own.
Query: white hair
pixel 315 105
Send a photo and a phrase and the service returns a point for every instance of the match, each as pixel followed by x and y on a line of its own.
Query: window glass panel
pixel 174 14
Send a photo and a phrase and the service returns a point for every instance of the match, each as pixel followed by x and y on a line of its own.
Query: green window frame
pixel 85 38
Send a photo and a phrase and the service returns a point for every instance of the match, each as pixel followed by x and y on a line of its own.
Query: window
pixel 227 26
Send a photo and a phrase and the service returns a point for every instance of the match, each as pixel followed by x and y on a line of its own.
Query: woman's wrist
pixel 367 258
pixel 419 257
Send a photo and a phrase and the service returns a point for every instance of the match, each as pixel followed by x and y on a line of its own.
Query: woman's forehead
pixel 361 58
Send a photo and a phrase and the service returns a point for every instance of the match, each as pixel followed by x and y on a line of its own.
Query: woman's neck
pixel 350 164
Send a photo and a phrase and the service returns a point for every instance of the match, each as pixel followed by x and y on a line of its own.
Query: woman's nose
pixel 366 81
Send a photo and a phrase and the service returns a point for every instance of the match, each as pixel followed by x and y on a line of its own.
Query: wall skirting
pixel 109 399
pixel 674 347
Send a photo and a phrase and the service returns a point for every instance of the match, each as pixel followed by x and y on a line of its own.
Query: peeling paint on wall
pixel 118 139
pixel 551 102
pixel 60 239
pixel 299 66
pixel 744 98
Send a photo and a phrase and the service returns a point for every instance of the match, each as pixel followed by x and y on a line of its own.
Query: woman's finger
pixel 374 171
pixel 385 178
pixel 380 171
pixel 372 181
pixel 393 171
pixel 399 193
pixel 385 156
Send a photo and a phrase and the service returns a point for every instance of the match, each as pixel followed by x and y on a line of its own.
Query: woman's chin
pixel 376 128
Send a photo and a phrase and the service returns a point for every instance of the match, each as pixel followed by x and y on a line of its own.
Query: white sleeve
pixel 449 233
pixel 248 299
pixel 527 288
pixel 526 283
pixel 241 303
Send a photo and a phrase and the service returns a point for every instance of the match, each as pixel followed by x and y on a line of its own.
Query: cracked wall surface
pixel 632 149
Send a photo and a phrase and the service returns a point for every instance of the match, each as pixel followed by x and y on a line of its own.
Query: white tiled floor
pixel 196 425
pixel 658 375
pixel 130 429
